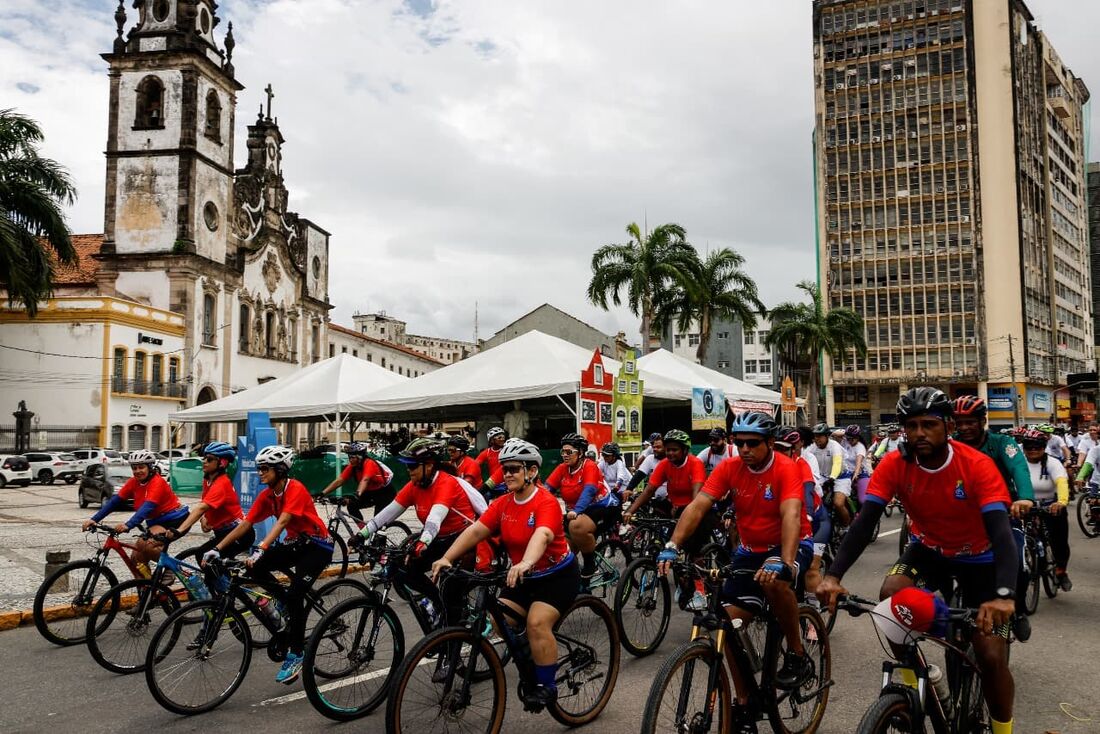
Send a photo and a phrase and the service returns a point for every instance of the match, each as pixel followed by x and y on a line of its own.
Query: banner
pixel 708 408
pixel 1001 398
pixel 755 406
pixel 259 434
pixel 627 404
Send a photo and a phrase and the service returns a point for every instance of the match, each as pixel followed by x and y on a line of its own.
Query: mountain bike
pixel 1039 558
pixel 422 700
pixel 901 708
pixel 343 524
pixel 692 690
pixel 1088 510
pixel 192 667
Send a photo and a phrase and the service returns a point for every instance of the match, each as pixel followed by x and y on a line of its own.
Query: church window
pixel 316 267
pixel 208 306
pixel 246 325
pixel 204 21
pixel 292 337
pixel 269 333
pixel 160 10
pixel 210 216
pixel 150 104
pixel 213 129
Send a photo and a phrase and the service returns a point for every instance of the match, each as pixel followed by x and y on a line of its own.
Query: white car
pixel 86 457
pixel 48 466
pixel 173 454
pixel 14 469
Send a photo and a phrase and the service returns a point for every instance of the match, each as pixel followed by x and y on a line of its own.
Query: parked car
pixel 101 481
pixel 48 466
pixel 14 469
pixel 174 454
pixel 99 456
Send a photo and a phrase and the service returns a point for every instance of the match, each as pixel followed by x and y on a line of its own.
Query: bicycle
pixel 588 666
pixel 901 708
pixel 1088 510
pixel 1039 559
pixel 66 627
pixel 217 661
pixel 340 519
pixel 692 689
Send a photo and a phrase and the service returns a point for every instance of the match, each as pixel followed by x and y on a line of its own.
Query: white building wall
pixel 753 350
pixel 151 287
pixel 165 138
pixel 392 359
pixel 146 203
pixel 211 186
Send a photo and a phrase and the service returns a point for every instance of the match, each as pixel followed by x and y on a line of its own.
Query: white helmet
pixel 275 455
pixel 143 456
pixel 494 432
pixel 516 449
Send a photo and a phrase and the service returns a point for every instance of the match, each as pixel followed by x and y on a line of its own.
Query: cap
pixel 911 612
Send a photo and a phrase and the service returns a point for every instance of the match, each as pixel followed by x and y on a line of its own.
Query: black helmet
pixel 611 449
pixel 924 401
pixel 822 429
pixel 716 433
pixel 420 451
pixel 459 442
pixel 576 440
pixel 655 436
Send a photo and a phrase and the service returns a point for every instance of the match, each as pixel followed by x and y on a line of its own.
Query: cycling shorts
pixel 742 590
pixel 558 589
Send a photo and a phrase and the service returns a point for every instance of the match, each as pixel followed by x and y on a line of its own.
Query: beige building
pixel 388 329
pixel 397 358
pixel 950 168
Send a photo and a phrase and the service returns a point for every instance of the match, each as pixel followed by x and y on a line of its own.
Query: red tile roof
pixel 84 271
pixel 398 347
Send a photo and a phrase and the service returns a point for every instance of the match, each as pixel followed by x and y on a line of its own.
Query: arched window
pixel 269 333
pixel 157 377
pixel 135 437
pixel 209 303
pixel 246 326
pixel 213 117
pixel 118 378
pixel 150 104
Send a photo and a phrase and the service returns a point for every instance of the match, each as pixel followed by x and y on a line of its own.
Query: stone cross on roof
pixel 270 94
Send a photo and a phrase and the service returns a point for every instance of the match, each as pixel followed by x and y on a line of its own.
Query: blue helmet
pixel 220 449
pixel 753 423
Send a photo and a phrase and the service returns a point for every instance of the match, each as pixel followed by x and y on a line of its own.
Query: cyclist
pixel 1051 485
pixel 372 481
pixel 788 441
pixel 830 458
pixel 528 521
pixel 611 465
pixel 591 507
pixel 645 468
pixel 958 507
pixel 649 449
pixel 855 475
pixel 718 449
pixel 219 508
pixel 773 539
pixel 889 443
pixel 1056 445
pixel 466 467
pixel 488 458
pixel 155 504
pixel 1087 442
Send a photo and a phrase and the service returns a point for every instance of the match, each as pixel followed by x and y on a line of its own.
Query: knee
pixel 892 585
pixel 539 626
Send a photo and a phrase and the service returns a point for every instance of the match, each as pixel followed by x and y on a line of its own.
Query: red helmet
pixel 1031 436
pixel 970 405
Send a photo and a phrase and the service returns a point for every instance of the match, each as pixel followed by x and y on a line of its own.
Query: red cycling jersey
pixel 444 490
pixel 570 484
pixel 945 505
pixel 757 496
pixel 295 499
pixel 376 477
pixel 681 479
pixel 515 523
pixel 488 458
pixel 225 506
pixel 469 470
pixel 156 490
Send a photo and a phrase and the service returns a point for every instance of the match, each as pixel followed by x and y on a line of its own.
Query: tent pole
pixel 572 410
pixel 337 452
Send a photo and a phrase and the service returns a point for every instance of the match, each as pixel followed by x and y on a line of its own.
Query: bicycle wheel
pixel 903 536
pixel 123 621
pixel 970 714
pixel 878 528
pixel 357 646
pixel 616 554
pixel 643 605
pixel 416 703
pixel 680 699
pixel 397 532
pixel 1084 514
pixel 65 596
pixel 889 713
pixel 331 594
pixel 1046 573
pixel 1031 597
pixel 204 671
pixel 588 661
pixel 802 709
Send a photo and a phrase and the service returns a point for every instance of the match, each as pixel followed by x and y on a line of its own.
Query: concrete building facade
pixel 403 360
pixel 555 322
pixel 386 328
pixel 732 351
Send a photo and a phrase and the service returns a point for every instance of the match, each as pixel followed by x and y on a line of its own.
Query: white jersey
pixel 851 453
pixel 1055 444
pixel 811 461
pixel 1072 440
pixel 825 456
pixel 1093 457
pixel 615 475
pixel 1044 486
pixel 1085 444
pixel 711 460
pixel 647 468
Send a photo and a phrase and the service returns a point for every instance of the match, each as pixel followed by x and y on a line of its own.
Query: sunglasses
pixel 1029 446
pixel 752 443
pixel 265 467
pixel 568 452
pixel 511 468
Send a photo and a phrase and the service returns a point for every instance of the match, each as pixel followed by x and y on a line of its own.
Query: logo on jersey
pixel 531 520
pixel 768 492
pixel 960 493
pixel 1011 450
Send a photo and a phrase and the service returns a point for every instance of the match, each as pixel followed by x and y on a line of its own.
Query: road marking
pixel 895 531
pixel 292 697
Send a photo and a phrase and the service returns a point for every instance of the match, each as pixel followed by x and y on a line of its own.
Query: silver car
pixel 49 466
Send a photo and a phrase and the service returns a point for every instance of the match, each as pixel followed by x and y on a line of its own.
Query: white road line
pixel 895 531
pixel 292 697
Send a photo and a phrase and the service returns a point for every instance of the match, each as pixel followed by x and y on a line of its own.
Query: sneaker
pixel 292 666
pixel 1064 582
pixel 1021 627
pixel 698 602
pixel 538 698
pixel 796 668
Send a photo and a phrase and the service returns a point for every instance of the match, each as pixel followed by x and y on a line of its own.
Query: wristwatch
pixel 1003 592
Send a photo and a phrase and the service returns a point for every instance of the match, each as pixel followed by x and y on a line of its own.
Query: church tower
pixel 173 97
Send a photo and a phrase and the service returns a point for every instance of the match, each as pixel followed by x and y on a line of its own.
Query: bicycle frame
pixel 112 544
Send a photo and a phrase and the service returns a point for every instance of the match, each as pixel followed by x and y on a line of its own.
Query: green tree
pixel 717 289
pixel 33 234
pixel 802 332
pixel 646 268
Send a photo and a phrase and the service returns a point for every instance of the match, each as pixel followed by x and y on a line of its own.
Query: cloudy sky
pixel 481 150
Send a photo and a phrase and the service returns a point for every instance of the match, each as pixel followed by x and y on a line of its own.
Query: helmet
pixel 893 428
pixel 716 433
pixel 494 432
pixel 611 449
pixel 276 456
pixel 219 449
pixel 516 449
pixel 788 436
pixel 806 434
pixel 356 448
pixel 459 442
pixel 750 422
pixel 655 436
pixel 1032 436
pixel 822 429
pixel 1042 428
pixel 576 440
pixel 853 431
pixel 924 401
pixel 421 450
pixel 969 405
pixel 680 437
pixel 143 456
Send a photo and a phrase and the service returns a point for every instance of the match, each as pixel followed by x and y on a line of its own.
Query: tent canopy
pixel 321 389
pixel 666 364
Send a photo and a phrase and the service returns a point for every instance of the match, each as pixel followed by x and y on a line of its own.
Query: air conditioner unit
pixel 958 373
pixel 960 127
pixel 910 62
pixel 939 189
pixel 964 218
pixel 839 85
pixel 970 340
pixel 876 139
pixel 874 81
pixel 913 133
pixel 889 136
pixel 897 77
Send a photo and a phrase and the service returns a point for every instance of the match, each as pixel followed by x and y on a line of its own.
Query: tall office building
pixel 950 163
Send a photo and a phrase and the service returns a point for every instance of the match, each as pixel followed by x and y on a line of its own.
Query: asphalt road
pixel 44 688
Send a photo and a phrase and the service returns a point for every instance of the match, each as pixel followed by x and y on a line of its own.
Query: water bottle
pixel 270 610
pixel 747 645
pixel 943 690
pixel 428 608
pixel 195 587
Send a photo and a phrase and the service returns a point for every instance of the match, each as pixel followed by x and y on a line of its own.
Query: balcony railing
pixel 147 387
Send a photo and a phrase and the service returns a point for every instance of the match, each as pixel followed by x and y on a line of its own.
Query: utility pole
pixel 1012 376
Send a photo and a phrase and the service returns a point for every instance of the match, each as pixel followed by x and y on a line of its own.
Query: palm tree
pixel 33 234
pixel 802 332
pixel 646 267
pixel 717 289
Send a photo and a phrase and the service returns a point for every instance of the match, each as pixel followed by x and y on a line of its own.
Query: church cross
pixel 270 94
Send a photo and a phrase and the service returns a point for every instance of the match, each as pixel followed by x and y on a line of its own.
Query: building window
pixel 156 438
pixel 750 337
pixel 245 318
pixel 343 349
pixel 292 337
pixel 157 377
pixel 750 366
pixel 213 128
pixel 723 364
pixel 384 362
pixel 332 350
pixel 316 343
pixel 269 333
pixel 723 335
pixel 677 340
pixel 209 303
pixel 135 437
pixel 762 336
pixel 693 340
pixel 400 370
pixel 173 370
pixel 355 352
pixel 139 374
pixel 116 438
pixel 149 105
pixel 765 366
pixel 119 376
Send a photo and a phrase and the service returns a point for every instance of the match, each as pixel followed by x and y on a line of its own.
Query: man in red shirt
pixel 488 458
pixel 465 467
pixel 371 478
pixel 958 506
pixel 773 537
pixel 219 508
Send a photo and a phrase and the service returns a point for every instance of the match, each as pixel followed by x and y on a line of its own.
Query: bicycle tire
pixel 815 641
pixel 67 627
pixel 134 634
pixel 886 714
pixel 398 532
pixel 160 675
pixel 1031 596
pixel 339 562
pixel 878 529
pixel 419 657
pixel 971 716
pixel 684 661
pixel 327 688
pixel 616 553
pixel 601 631
pixel 642 572
pixel 1047 574
pixel 1084 514
pixel 903 536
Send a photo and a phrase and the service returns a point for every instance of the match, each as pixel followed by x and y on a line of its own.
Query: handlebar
pixel 101 528
pixel 477 578
pixel 857 606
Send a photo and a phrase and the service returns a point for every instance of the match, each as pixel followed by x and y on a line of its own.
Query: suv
pixel 14 469
pixel 101 481
pixel 99 456
pixel 46 466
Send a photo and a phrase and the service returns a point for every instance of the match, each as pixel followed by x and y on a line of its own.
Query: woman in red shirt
pixel 371 478
pixel 219 508
pixel 528 521
pixel 591 507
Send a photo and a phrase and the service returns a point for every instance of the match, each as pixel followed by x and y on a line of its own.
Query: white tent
pixel 671 366
pixel 322 389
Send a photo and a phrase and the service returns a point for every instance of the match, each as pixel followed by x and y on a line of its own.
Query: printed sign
pixel 708 408
pixel 259 434
pixel 1000 398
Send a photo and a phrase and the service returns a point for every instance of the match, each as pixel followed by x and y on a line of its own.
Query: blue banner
pixel 259 434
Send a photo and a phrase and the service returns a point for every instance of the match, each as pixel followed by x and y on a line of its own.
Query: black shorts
pixel 557 589
pixel 704 531
pixel 745 592
pixel 932 571
pixel 604 516
pixel 376 499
